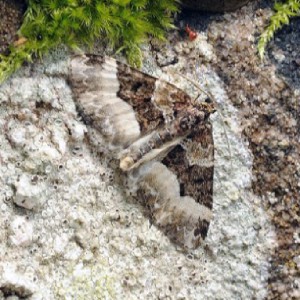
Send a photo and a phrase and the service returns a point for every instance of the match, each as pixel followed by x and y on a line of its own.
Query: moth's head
pixel 190 120
pixel 207 106
pixel 199 112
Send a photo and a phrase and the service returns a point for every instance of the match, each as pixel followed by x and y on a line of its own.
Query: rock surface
pixel 92 242
pixel 21 232
pixel 269 107
pixel 84 239
pixel 11 15
pixel 13 283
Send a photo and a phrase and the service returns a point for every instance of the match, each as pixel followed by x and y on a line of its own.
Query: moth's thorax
pixel 161 140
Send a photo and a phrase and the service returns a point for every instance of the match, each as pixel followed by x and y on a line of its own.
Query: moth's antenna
pixel 210 95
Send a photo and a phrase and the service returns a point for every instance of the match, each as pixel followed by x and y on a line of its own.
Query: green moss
pixel 283 12
pixel 121 24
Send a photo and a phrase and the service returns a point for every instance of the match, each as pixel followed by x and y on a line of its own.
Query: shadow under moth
pixel 161 137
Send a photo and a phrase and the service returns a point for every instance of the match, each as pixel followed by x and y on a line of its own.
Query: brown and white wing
pixel 122 103
pixel 177 192
pixel 95 87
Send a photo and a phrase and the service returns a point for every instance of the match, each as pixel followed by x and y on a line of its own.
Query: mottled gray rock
pixel 89 240
pixel 28 191
pixel 21 231
pixel 15 283
pixel 11 12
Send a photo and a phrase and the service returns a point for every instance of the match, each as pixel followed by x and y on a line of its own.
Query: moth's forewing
pixel 123 103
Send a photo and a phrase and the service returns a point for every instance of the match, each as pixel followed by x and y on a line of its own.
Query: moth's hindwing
pixel 163 141
pixel 177 191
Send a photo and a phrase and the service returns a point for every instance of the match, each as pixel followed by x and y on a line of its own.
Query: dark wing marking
pixel 154 101
pixel 193 163
pixel 177 192
pixel 121 102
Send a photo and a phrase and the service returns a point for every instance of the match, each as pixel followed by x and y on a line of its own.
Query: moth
pixel 161 137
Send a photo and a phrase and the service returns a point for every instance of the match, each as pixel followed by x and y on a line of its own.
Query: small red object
pixel 192 34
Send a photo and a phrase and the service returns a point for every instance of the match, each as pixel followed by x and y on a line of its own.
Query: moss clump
pixel 121 24
pixel 283 12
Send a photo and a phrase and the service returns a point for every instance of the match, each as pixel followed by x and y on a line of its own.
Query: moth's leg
pixel 152 146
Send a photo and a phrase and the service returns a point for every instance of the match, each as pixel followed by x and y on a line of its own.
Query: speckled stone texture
pixel 267 96
pixel 81 237
pixel 78 236
pixel 11 14
pixel 284 52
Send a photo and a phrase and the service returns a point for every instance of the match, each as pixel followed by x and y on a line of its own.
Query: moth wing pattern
pixel 177 191
pixel 122 102
pixel 95 85
pixel 138 115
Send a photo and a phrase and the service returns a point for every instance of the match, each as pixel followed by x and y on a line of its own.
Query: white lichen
pixel 21 232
